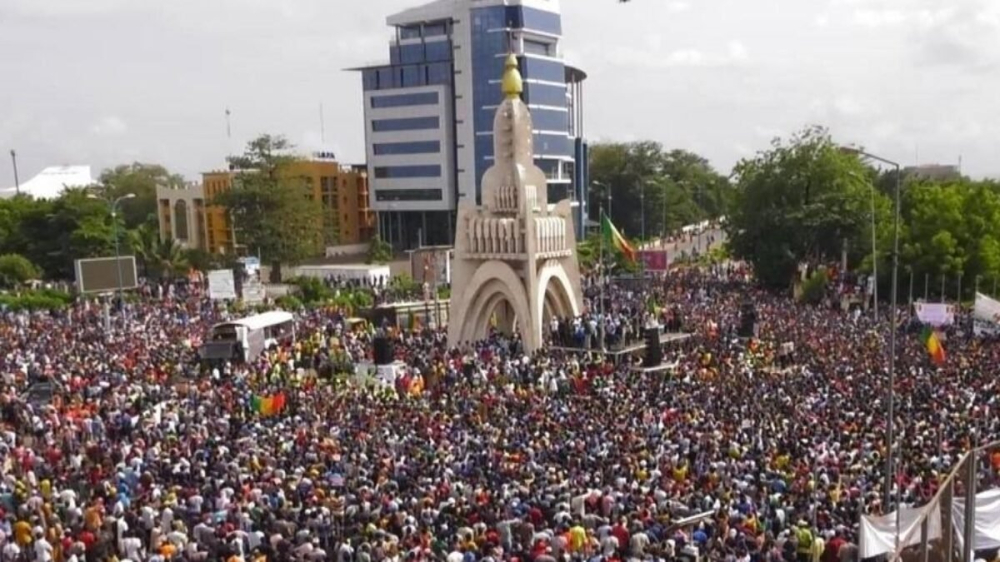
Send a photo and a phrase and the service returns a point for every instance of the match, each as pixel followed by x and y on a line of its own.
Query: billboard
pixel 100 275
pixel 654 260
pixel 221 285
pixel 431 265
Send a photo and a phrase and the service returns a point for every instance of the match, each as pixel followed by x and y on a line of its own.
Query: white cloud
pixel 676 7
pixel 111 126
pixel 649 57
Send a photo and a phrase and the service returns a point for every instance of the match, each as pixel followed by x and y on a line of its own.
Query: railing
pixel 972 473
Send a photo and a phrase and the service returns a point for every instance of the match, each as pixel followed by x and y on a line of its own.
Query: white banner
pixel 987 535
pixel 221 285
pixel 986 316
pixel 878 534
pixel 935 313
pixel 253 292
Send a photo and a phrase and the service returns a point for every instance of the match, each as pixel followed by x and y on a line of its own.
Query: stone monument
pixel 515 261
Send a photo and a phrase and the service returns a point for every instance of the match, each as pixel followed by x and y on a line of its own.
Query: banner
pixel 935 313
pixel 654 260
pixel 987 520
pixel 221 285
pixel 878 534
pixel 986 316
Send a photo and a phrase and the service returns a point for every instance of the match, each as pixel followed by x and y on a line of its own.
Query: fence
pixel 972 474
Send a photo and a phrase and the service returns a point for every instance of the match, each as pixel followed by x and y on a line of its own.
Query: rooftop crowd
pixel 478 453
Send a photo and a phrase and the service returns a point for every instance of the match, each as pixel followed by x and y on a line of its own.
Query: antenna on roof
pixel 322 125
pixel 17 181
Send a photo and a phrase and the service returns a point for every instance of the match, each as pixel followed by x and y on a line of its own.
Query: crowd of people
pixel 142 453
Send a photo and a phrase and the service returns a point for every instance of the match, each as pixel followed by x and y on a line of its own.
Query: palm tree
pixel 162 258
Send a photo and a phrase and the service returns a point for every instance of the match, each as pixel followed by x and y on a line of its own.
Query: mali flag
pixel 268 405
pixel 614 238
pixel 934 347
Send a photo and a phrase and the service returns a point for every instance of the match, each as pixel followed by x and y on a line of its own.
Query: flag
pixel 615 239
pixel 934 347
pixel 268 405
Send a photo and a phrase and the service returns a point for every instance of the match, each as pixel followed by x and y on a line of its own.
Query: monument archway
pixel 495 289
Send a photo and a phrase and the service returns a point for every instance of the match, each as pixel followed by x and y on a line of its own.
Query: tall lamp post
pixel 113 204
pixel 890 437
pixel 642 212
pixel 17 180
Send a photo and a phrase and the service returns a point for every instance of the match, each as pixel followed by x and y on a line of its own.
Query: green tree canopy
pixel 271 208
pixel 141 180
pixel 674 187
pixel 15 269
pixel 799 202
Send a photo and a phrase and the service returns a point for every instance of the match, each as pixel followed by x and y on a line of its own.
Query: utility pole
pixel 17 181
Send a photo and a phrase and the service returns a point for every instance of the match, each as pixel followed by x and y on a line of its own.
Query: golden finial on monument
pixel 511 84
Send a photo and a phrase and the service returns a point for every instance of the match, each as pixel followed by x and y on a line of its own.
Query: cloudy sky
pixel 102 82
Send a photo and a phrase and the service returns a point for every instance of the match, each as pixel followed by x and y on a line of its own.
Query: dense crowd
pixel 143 454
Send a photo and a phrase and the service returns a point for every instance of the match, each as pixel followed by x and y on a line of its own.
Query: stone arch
pixel 494 283
pixel 181 220
pixel 555 294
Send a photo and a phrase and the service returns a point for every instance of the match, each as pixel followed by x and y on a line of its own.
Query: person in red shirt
pixel 620 531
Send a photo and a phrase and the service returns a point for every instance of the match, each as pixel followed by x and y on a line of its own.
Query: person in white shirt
pixel 11 552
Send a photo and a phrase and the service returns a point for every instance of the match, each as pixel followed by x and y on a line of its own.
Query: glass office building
pixel 429 111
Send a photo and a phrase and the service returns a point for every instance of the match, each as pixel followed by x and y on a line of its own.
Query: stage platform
pixel 627 350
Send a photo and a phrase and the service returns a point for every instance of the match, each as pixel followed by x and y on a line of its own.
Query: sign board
pixel 221 285
pixel 431 265
pixel 654 260
pixel 935 313
pixel 986 316
pixel 101 275
pixel 251 265
pixel 253 292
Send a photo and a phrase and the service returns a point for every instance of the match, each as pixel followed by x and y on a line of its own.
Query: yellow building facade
pixel 188 215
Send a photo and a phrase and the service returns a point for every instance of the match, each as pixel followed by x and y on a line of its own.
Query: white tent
pixel 52 181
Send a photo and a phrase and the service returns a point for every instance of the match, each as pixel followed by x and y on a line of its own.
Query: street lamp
pixel 871 188
pixel 642 211
pixel 608 189
pixel 892 332
pixel 113 209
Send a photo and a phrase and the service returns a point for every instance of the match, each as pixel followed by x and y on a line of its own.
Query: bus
pixel 245 339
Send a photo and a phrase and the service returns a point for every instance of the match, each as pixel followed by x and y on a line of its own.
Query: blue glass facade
pixel 491 42
pixel 400 172
pixel 405 124
pixel 397 148
pixel 405 100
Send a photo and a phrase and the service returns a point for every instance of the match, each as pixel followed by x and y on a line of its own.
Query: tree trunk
pixel 275 272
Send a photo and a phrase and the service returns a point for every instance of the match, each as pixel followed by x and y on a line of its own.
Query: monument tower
pixel 515 257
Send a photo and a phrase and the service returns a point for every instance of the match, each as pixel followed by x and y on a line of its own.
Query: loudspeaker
pixel 748 320
pixel 385 352
pixel 654 353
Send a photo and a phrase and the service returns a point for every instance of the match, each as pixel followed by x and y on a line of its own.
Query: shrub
pixel 15 269
pixel 289 302
pixel 814 288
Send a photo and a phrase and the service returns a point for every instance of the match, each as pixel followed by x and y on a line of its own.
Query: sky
pixel 106 82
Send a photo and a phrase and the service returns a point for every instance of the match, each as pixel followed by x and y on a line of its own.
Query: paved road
pixel 711 238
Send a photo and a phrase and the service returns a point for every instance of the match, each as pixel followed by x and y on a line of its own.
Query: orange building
pixel 341 191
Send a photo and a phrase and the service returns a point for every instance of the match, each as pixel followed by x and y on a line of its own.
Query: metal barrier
pixel 973 473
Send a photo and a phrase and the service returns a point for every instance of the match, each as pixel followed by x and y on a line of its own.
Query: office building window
pixel 407 124
pixel 400 172
pixel 439 74
pixel 411 54
pixel 409 32
pixel 417 147
pixel 408 195
pixel 403 100
pixel 545 94
pixel 540 20
pixel 549 120
pixel 438 51
pixel 541 69
pixel 435 29
pixel 412 76
pixel 539 48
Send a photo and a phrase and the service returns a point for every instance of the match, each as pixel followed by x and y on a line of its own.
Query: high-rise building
pixel 429 111
pixel 188 215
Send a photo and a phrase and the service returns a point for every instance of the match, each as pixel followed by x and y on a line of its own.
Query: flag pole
pixel 601 280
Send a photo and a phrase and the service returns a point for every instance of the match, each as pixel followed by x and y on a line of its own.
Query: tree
pixel 675 188
pixel 161 258
pixel 141 180
pixel 15 269
pixel 379 251
pixel 270 207
pixel 799 202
